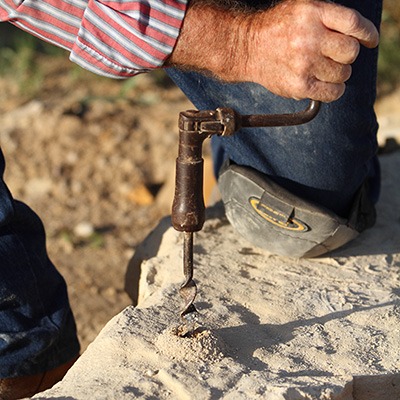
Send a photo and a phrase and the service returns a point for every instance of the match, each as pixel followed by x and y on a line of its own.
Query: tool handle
pixel 298 118
pixel 188 210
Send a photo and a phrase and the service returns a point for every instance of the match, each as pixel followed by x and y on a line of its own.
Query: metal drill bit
pixel 188 288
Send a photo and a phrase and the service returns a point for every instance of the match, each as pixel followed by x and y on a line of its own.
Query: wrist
pixel 212 39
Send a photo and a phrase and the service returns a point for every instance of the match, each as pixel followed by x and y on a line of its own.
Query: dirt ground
pixel 90 156
pixel 94 158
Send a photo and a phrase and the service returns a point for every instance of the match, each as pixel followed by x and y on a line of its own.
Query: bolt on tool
pixel 188 210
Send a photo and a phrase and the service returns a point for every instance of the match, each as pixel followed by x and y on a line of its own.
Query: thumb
pixel 351 23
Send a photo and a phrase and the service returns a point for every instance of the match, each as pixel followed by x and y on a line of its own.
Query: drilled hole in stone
pixel 184 332
pixel 200 345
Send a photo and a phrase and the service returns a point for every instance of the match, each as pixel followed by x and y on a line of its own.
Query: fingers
pixel 351 23
pixel 332 72
pixel 326 82
pixel 307 48
pixel 329 80
pixel 340 48
pixel 326 92
pixel 314 89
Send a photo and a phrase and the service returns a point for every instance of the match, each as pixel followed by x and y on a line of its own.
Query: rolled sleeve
pixel 118 38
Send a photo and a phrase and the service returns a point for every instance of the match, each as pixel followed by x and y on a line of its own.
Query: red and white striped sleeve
pixel 114 38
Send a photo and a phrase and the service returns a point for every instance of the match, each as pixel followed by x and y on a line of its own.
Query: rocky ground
pixel 90 156
pixel 94 158
pixel 269 327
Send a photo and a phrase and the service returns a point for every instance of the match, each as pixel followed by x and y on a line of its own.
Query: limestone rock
pixel 272 327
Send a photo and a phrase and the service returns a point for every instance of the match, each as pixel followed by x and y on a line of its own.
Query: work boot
pixel 27 386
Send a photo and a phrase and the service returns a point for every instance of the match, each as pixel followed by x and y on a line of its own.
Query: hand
pixel 304 49
pixel 298 49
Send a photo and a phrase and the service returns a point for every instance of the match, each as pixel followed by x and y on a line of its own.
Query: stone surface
pixel 273 327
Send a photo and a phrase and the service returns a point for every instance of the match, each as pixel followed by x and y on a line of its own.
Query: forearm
pixel 211 40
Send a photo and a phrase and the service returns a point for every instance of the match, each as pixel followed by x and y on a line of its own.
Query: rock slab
pixel 271 327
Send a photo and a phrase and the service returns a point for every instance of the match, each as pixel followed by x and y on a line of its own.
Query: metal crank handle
pixel 232 121
pixel 299 118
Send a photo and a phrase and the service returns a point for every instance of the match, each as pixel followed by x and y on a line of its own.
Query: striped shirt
pixel 114 38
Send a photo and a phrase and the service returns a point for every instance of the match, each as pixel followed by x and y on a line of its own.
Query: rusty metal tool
pixel 188 210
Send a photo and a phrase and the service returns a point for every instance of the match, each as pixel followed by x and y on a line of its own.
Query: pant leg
pixel 326 160
pixel 37 328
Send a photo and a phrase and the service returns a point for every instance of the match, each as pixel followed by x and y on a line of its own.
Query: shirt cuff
pixel 123 38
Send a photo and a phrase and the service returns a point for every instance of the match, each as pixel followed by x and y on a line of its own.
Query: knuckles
pixel 301 66
pixel 354 21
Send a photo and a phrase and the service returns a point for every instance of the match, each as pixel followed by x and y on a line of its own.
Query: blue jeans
pixel 37 329
pixel 325 161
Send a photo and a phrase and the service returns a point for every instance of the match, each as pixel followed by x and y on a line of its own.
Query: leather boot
pixel 27 386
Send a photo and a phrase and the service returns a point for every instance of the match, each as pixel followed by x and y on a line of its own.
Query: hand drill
pixel 188 210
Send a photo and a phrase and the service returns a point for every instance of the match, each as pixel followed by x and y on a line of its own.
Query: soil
pixel 90 156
